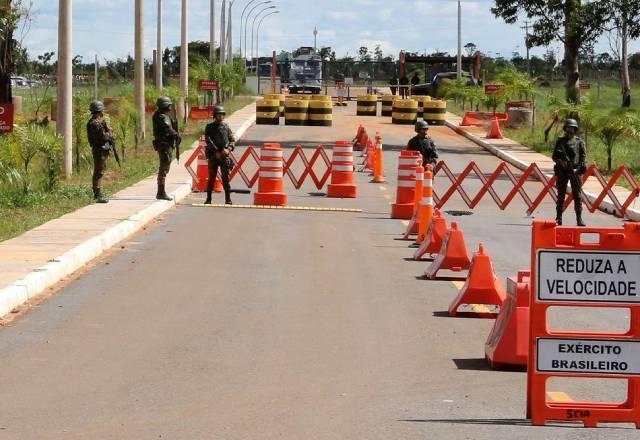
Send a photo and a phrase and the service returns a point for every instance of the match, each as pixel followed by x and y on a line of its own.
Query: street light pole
pixel 159 48
pixel 459 40
pixel 65 84
pixel 223 32
pixel 138 72
pixel 212 32
pixel 257 44
pixel 265 2
pixel 253 25
pixel 241 21
pixel 184 54
pixel 230 34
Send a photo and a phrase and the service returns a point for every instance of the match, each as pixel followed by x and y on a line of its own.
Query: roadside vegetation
pixel 32 186
pixel 612 132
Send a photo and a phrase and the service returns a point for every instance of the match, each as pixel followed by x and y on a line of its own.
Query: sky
pixel 105 27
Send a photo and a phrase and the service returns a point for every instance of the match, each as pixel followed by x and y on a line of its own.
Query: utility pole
pixel 526 43
pixel 212 29
pixel 223 33
pixel 230 34
pixel 184 54
pixel 159 50
pixel 64 125
pixel 95 73
pixel 139 65
pixel 315 39
pixel 459 62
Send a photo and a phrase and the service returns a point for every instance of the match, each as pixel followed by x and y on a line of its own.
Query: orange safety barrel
pixel 342 184
pixel 408 163
pixel 270 185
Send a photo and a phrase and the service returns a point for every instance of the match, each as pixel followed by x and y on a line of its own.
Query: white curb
pixel 606 205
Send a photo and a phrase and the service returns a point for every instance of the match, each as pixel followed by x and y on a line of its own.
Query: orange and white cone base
pixel 342 184
pixel 453 255
pixel 482 287
pixel 270 185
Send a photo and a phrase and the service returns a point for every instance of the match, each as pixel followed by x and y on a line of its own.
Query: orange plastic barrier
pixel 270 187
pixel 508 343
pixel 201 113
pixel 482 287
pixel 518 182
pixel 481 119
pixel 412 227
pixel 434 238
pixel 425 213
pixel 342 184
pixel 453 255
pixel 582 268
pixel 408 162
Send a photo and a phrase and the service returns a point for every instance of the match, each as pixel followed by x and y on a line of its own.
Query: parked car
pixel 431 88
pixel 19 81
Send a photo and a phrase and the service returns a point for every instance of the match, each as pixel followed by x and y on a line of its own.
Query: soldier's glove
pixel 581 169
pixel 232 146
pixel 106 147
pixel 179 139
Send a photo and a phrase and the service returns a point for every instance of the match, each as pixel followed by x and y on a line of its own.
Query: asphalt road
pixel 261 324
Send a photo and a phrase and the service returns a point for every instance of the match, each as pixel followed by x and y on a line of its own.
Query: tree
pixel 363 54
pixel 379 55
pixel 470 48
pixel 573 22
pixel 611 128
pixel 11 14
pixel 624 22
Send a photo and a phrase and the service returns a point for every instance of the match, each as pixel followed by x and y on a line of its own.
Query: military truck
pixel 304 71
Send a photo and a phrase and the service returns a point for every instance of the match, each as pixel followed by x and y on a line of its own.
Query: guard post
pixel 584 267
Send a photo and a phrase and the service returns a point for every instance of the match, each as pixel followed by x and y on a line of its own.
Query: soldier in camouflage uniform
pixel 220 143
pixel 100 136
pixel 165 138
pixel 424 144
pixel 570 157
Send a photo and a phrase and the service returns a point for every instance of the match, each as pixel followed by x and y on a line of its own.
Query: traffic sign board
pixel 588 276
pixel 588 356
pixel 6 118
pixel 208 85
pixel 585 86
pixel 492 89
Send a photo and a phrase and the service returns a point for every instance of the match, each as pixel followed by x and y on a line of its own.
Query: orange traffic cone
pixel 453 254
pixel 508 342
pixel 270 185
pixel 412 227
pixel 342 184
pixel 494 129
pixel 356 140
pixel 482 287
pixel 408 162
pixel 432 242
pixel 425 212
pixel 378 166
pixel 199 183
pixel 371 156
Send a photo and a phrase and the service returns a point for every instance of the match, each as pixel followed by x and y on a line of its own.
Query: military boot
pixel 99 198
pixel 579 221
pixel 208 201
pixel 227 198
pixel 559 216
pixel 162 194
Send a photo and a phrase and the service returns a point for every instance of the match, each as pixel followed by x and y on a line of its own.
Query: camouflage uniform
pixel 219 137
pixel 426 147
pixel 570 156
pixel 99 135
pixel 165 137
